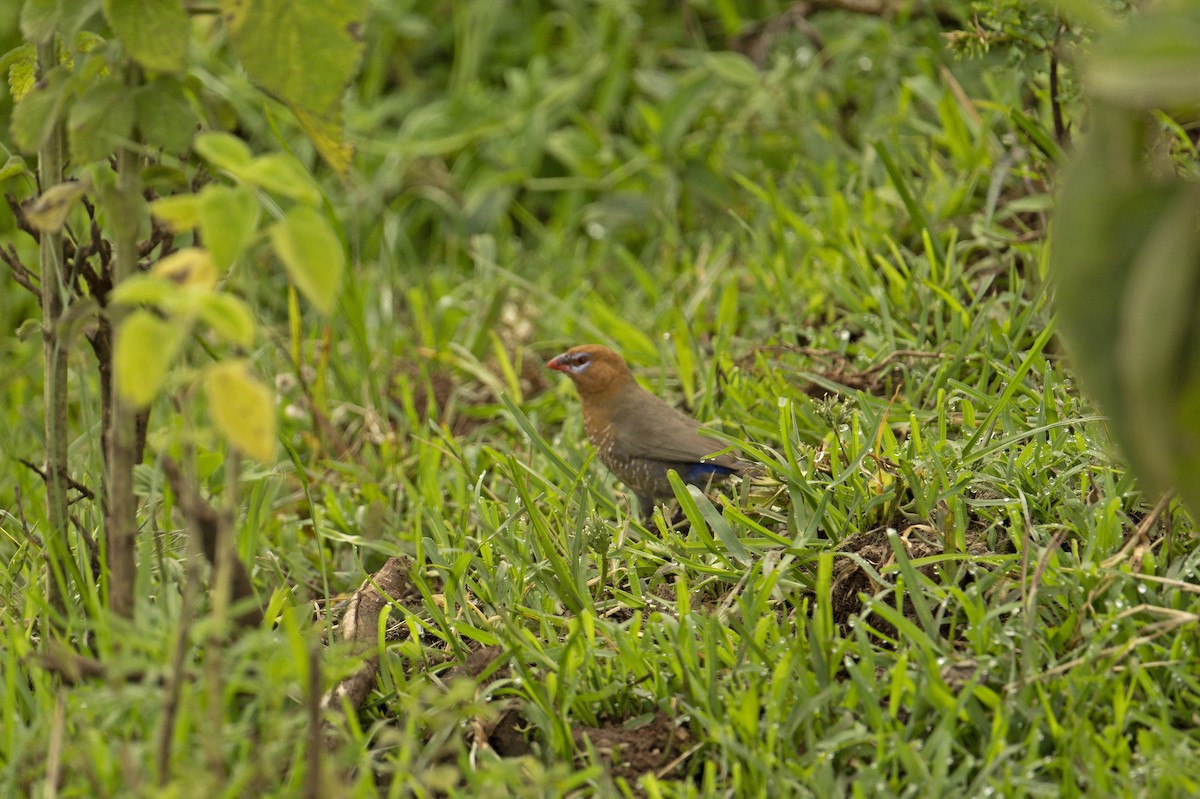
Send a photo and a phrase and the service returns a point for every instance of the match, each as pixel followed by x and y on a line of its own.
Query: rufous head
pixel 592 368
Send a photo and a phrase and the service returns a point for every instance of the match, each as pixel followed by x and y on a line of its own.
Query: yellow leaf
pixel 229 318
pixel 48 213
pixel 312 254
pixel 145 349
pixel 189 268
pixel 329 137
pixel 180 212
pixel 242 408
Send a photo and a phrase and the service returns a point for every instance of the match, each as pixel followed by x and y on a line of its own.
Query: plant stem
pixel 54 390
pixel 121 520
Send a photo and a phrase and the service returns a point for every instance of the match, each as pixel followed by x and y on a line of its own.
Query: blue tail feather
pixel 699 472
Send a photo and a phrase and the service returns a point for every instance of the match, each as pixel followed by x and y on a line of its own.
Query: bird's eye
pixel 582 358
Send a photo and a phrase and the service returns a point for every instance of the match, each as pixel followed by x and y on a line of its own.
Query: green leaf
pixel 282 174
pixel 229 318
pixel 99 120
pixel 228 217
pixel 21 63
pixel 180 213
pixel 312 254
pixel 328 136
pixel 1152 62
pixel 303 53
pixel 41 19
pixel 164 116
pixel 1105 209
pixel 13 167
pixel 720 527
pixel 34 117
pixel 1158 311
pixel 143 289
pixel 145 350
pixel 242 408
pixel 223 151
pixel 733 68
pixel 155 32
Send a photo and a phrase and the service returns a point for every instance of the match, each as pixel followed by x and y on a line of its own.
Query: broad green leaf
pixel 312 254
pixel 1158 311
pixel 282 174
pixel 223 151
pixel 155 32
pixel 14 166
pixel 1104 211
pixel 143 289
pixel 180 213
pixel 48 213
pixel 229 318
pixel 303 53
pixel 42 19
pixel 99 120
pixel 1151 62
pixel 145 350
pixel 228 217
pixel 164 116
pixel 189 268
pixel 34 117
pixel 242 408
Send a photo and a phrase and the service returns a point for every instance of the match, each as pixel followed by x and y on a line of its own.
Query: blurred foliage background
pixel 822 225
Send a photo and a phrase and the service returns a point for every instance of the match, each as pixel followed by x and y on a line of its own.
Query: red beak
pixel 556 363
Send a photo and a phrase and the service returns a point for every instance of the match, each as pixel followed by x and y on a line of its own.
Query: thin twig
pixel 71 481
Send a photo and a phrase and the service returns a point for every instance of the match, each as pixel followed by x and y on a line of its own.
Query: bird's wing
pixel 646 427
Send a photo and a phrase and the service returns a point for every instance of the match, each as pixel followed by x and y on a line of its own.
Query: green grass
pixel 925 593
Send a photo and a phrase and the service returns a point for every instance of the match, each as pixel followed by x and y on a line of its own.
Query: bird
pixel 638 436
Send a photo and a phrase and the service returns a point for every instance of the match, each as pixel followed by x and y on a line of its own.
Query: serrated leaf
pixel 99 120
pixel 223 151
pixel 190 268
pixel 229 318
pixel 228 217
pixel 145 349
pixel 242 408
pixel 312 254
pixel 180 213
pixel 21 63
pixel 282 174
pixel 303 53
pixel 34 117
pixel 328 135
pixel 48 213
pixel 155 32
